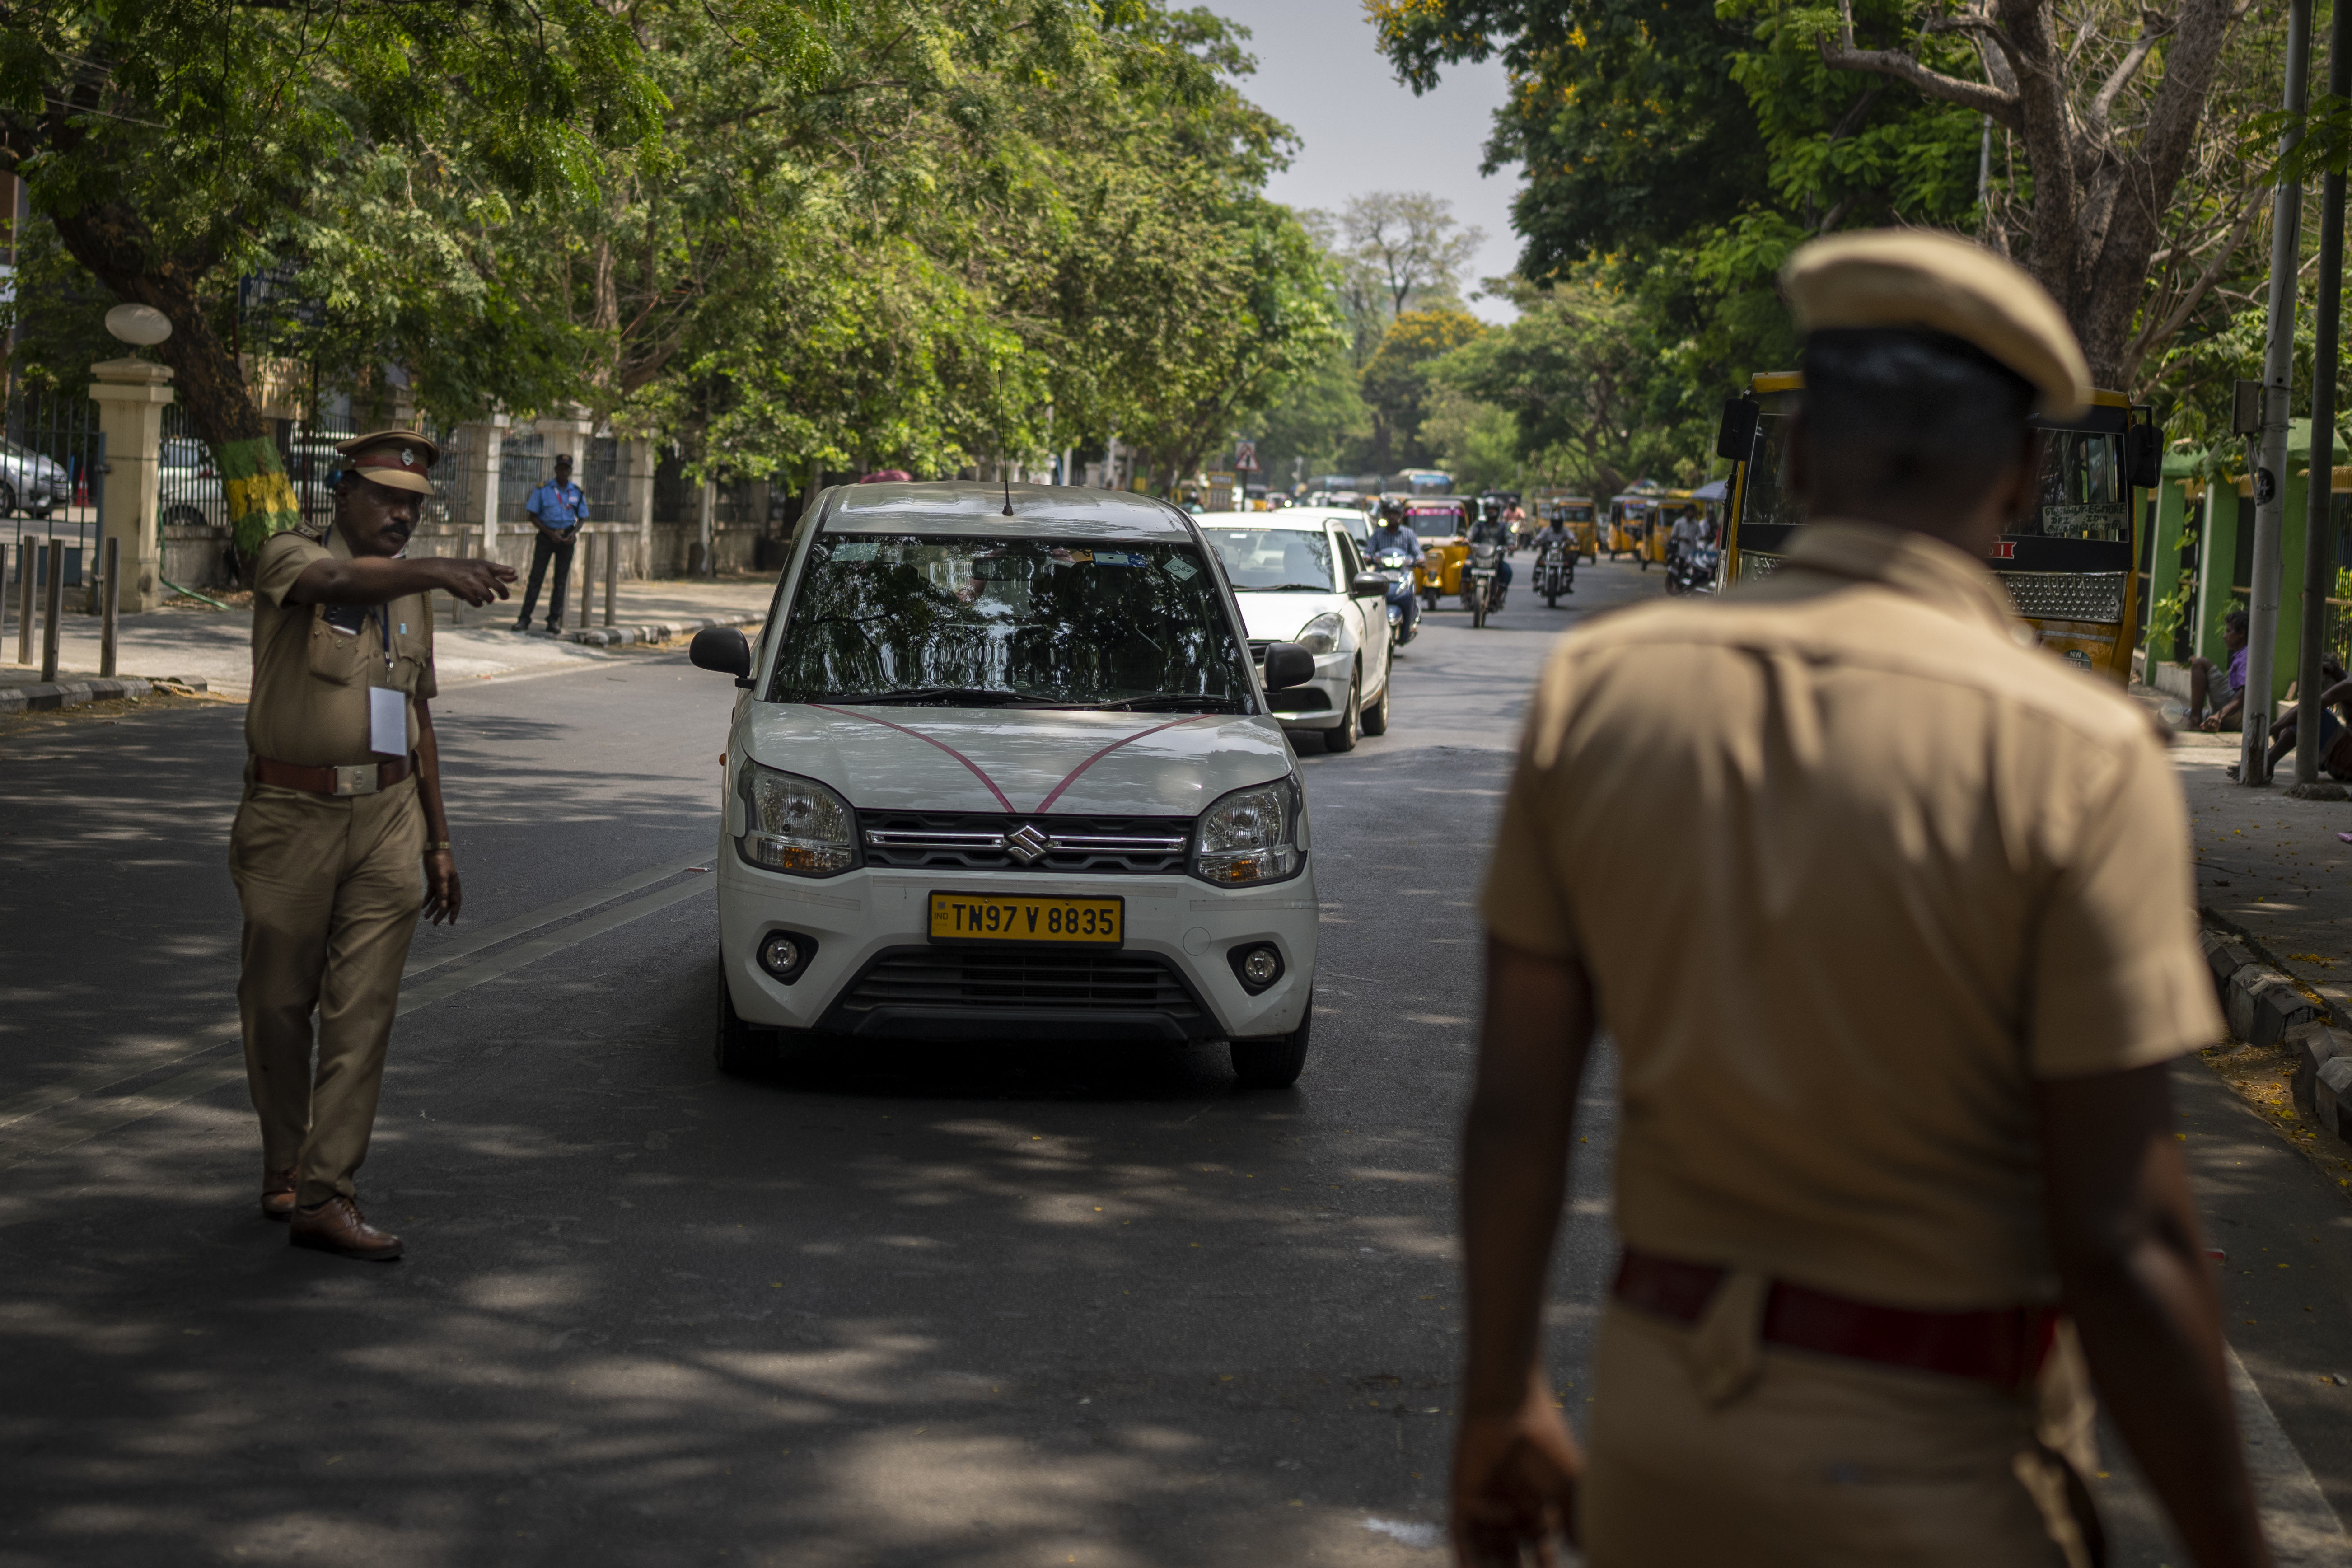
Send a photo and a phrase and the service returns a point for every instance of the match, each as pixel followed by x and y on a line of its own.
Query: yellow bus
pixel 2068 568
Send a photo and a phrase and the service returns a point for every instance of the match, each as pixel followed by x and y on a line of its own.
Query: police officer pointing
pixel 340 840
pixel 1896 1153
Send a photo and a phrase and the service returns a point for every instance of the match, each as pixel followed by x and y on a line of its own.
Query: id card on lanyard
pixel 387 706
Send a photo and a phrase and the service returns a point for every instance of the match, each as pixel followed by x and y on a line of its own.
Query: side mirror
pixel 1288 663
pixel 1735 438
pixel 2143 457
pixel 722 648
pixel 1369 585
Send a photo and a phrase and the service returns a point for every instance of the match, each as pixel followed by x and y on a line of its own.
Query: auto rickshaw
pixel 1443 525
pixel 1665 512
pixel 1629 522
pixel 2068 568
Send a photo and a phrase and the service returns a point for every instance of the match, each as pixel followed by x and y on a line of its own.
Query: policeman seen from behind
pixel 340 839
pixel 1900 1152
pixel 557 506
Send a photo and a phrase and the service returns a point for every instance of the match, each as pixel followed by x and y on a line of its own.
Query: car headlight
pixel 795 824
pixel 1321 634
pixel 1249 835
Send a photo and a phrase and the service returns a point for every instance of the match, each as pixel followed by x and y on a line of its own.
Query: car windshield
pixel 1276 559
pixel 961 621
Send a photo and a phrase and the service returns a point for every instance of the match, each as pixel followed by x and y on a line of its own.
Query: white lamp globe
pixel 142 326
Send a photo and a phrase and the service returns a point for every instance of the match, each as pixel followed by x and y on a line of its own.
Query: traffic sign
pixel 1246 456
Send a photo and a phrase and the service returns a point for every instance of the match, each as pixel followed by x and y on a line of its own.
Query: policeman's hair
pixel 1911 415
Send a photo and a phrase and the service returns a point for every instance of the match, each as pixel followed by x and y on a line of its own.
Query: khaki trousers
pixel 331 887
pixel 1820 1463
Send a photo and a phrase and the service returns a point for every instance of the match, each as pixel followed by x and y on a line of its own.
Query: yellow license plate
pixel 1017 917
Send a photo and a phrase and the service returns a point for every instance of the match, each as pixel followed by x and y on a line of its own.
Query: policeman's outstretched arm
pixel 2133 1272
pixel 442 896
pixel 376 520
pixel 1515 1464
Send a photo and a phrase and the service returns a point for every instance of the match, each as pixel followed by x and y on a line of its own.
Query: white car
pixel 1300 577
pixel 1009 778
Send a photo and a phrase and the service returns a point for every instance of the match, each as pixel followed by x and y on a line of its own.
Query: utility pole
pixel 2270 468
pixel 2318 567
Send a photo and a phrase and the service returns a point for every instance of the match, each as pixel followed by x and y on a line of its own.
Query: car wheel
pixel 1351 718
pixel 1376 717
pixel 1276 1060
pixel 739 1050
pixel 184 516
pixel 8 498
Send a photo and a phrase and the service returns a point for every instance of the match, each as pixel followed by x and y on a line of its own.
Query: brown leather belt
pixel 365 778
pixel 2002 1345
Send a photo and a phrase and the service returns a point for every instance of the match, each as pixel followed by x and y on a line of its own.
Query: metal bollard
pixel 28 555
pixel 587 601
pixel 52 602
pixel 109 606
pixel 612 558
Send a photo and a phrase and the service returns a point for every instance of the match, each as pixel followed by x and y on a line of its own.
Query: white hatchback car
pixel 1300 578
pixel 1010 777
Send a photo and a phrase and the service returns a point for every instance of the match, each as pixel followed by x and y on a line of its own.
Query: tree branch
pixel 2152 27
pixel 1901 67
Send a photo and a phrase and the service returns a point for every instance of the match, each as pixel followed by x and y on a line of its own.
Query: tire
pixel 8 498
pixel 1429 598
pixel 184 516
pixel 1376 717
pixel 1352 722
pixel 1478 609
pixel 1274 1061
pixel 737 1049
pixel 1552 596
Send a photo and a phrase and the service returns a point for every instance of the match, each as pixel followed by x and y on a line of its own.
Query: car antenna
pixel 1008 494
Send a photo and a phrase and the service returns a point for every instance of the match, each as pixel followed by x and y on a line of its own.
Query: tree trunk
pixel 111 241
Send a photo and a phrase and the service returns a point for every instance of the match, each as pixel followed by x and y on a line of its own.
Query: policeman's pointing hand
pixel 475 580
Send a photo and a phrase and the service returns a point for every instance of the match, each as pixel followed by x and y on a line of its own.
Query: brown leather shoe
pixel 338 1226
pixel 277 1194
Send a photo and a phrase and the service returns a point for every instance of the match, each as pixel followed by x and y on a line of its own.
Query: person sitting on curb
pixel 2226 689
pixel 2334 740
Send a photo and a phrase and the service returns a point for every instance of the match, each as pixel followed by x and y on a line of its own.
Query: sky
pixel 1319 69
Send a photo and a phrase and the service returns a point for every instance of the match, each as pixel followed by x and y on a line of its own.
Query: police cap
pixel 1917 278
pixel 402 459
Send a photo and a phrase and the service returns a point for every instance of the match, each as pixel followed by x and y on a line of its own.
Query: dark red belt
pixel 2002 1345
pixel 364 778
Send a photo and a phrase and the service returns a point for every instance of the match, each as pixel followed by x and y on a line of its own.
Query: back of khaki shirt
pixel 1849 868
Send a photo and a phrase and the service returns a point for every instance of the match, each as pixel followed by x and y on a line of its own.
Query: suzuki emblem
pixel 1027 845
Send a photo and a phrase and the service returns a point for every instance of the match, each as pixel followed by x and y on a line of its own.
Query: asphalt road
pixel 921 1306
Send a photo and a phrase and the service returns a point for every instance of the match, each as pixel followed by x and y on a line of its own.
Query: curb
pixel 613 637
pixel 2267 1008
pixel 45 697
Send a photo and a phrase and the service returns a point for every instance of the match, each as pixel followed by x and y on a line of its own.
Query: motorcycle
pixel 1482 581
pixel 1404 604
pixel 1555 571
pixel 1693 571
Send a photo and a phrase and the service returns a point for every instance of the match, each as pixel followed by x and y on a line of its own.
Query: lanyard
pixel 383 624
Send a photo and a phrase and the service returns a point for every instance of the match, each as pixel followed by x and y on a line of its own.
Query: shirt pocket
pixel 338 656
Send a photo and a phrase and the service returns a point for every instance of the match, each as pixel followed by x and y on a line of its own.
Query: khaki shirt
pixel 310 679
pixel 1852 864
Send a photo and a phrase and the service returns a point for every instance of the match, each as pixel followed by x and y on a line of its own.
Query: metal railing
pixel 49 459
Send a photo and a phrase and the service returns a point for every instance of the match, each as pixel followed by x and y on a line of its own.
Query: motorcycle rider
pixel 1685 537
pixel 1555 533
pixel 1486 531
pixel 1393 534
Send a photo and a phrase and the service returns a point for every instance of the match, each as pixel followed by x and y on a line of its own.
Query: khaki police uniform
pixel 331 877
pixel 1920 865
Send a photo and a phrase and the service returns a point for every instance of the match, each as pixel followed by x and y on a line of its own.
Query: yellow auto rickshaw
pixel 1443 525
pixel 1629 522
pixel 1665 512
pixel 2068 568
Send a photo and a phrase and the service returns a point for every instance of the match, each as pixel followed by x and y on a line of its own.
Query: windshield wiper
pixel 947 696
pixel 1293 588
pixel 1167 699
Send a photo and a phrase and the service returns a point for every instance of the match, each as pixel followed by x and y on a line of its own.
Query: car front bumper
pixel 876 973
pixel 1327 693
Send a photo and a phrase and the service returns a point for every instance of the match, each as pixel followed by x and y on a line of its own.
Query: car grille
pixel 2067 595
pixel 968 977
pixel 977 841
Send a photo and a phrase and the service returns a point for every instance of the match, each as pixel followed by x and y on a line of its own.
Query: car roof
pixel 963 506
pixel 1300 519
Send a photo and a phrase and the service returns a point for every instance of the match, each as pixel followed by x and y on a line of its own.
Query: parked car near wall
pixel 31 482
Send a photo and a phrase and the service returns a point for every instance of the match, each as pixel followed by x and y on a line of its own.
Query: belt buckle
pixel 363 778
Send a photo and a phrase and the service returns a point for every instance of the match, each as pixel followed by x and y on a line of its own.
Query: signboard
pixel 1246 456
pixel 2096 519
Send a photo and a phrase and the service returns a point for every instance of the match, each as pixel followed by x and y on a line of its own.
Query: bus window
pixel 1767 500
pixel 2082 487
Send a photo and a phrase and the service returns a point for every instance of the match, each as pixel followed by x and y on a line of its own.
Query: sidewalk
pixel 195 644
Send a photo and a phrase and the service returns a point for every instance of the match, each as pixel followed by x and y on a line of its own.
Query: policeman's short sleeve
pixel 2117 978
pixel 281 559
pixel 1525 903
